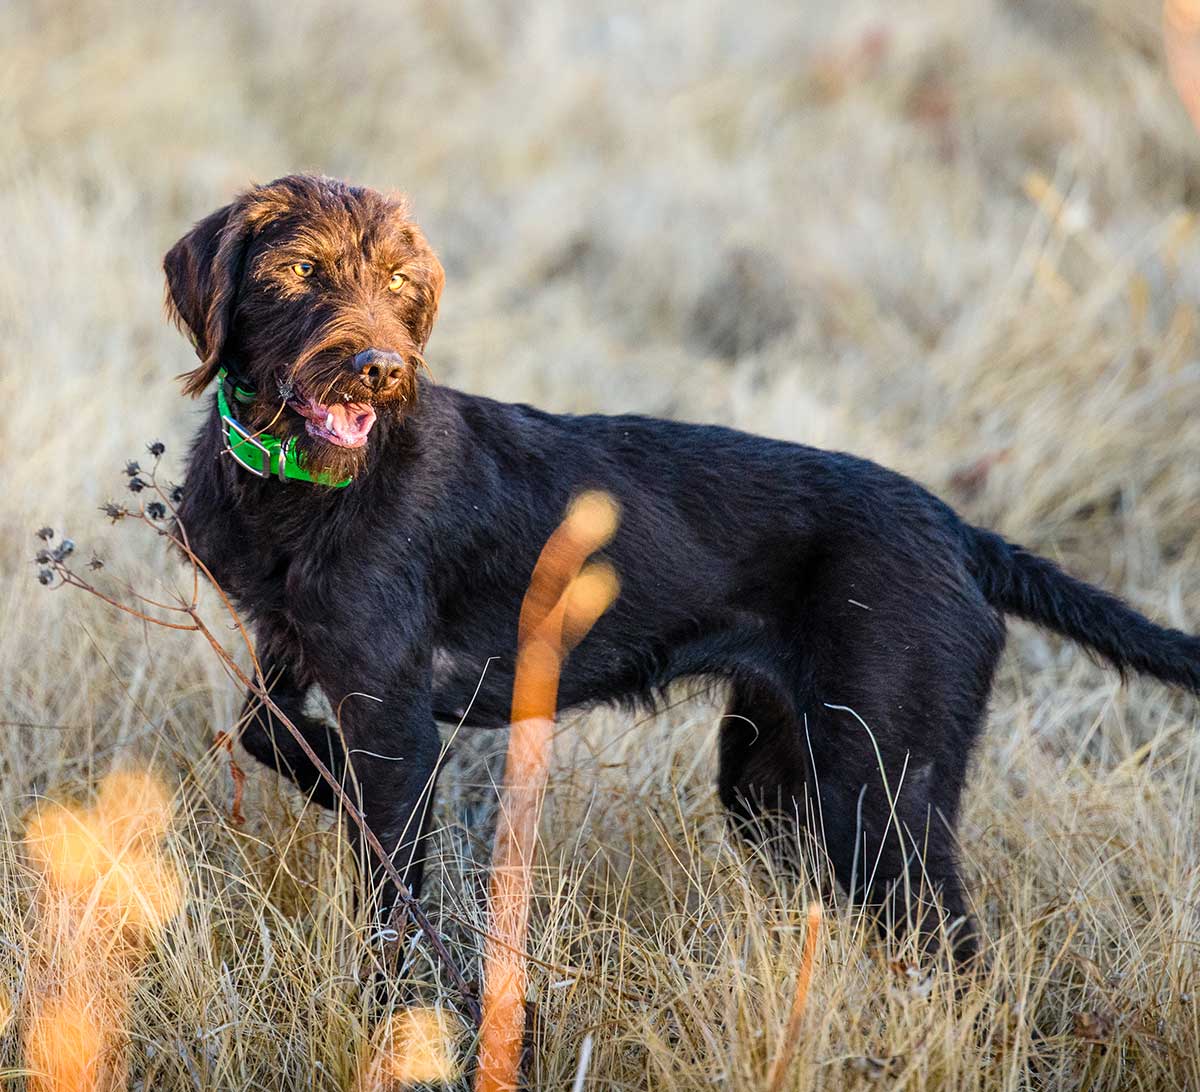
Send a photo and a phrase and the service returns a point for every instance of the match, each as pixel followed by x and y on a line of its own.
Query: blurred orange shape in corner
pixel 1181 37
pixel 106 891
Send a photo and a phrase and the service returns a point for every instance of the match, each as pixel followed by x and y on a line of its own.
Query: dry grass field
pixel 956 236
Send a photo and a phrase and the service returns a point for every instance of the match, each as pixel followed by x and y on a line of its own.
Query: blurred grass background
pixel 955 236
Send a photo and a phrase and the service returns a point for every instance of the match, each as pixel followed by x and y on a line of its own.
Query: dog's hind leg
pixel 888 827
pixel 828 779
pixel 900 683
pixel 867 754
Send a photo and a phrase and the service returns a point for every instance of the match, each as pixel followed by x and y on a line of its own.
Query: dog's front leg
pixel 270 741
pixel 392 751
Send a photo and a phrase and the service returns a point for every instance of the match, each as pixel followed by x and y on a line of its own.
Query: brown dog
pixel 855 618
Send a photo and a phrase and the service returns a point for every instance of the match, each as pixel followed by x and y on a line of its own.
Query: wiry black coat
pixel 856 619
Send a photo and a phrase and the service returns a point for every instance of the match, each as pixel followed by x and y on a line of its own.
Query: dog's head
pixel 318 294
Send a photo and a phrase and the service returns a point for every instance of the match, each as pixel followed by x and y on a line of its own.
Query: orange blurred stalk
pixel 561 605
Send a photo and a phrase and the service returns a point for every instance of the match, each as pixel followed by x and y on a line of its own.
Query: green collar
pixel 260 452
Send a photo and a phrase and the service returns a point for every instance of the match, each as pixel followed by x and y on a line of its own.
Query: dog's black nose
pixel 379 370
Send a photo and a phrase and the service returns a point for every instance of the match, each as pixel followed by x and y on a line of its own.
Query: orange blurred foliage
pixel 106 893
pixel 74 1043
pixel 417 1046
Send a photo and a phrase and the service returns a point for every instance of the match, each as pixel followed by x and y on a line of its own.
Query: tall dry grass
pixel 958 236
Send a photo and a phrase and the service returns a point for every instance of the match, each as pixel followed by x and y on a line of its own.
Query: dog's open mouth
pixel 346 424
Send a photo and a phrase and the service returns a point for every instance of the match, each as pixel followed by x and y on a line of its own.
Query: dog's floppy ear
pixel 203 270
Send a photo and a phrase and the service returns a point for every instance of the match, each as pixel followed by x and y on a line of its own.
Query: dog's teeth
pixel 329 422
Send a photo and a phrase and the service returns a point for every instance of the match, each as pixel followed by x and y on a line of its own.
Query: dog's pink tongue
pixel 346 423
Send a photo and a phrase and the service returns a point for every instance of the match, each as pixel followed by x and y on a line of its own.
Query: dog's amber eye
pixel 303 269
pixel 397 281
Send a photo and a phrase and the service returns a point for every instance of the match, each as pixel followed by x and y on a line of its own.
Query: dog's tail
pixel 1021 583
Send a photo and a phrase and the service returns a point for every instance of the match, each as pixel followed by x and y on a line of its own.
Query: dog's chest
pixel 309 592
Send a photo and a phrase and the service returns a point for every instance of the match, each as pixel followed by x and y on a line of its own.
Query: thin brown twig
pixel 224 741
pixel 70 578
